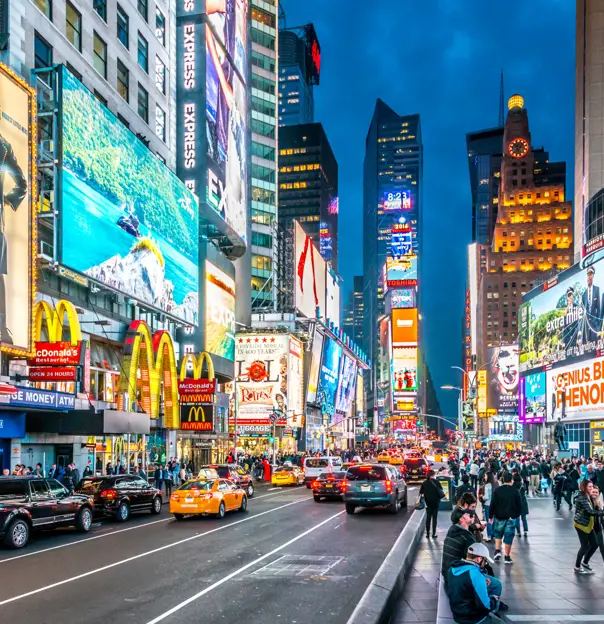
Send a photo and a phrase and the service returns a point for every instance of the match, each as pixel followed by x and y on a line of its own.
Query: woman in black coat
pixel 432 492
pixel 519 485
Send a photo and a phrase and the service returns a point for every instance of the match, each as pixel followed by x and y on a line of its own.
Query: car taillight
pixel 343 486
pixel 208 496
pixel 388 486
pixel 315 484
pixel 108 494
pixel 174 497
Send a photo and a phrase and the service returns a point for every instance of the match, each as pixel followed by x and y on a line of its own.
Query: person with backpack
pixel 432 492
pixel 519 485
pixel 585 515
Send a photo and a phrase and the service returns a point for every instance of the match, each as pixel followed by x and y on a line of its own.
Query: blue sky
pixel 441 59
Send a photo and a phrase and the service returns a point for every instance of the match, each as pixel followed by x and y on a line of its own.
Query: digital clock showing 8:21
pixel 397 200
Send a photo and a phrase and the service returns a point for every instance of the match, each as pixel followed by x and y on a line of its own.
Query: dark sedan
pixel 415 468
pixel 328 485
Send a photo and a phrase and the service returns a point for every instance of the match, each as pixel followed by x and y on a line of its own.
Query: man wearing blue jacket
pixel 473 595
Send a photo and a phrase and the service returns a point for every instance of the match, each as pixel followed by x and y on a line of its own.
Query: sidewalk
pixel 540 586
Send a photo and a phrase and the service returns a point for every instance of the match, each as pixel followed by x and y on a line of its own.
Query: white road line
pixel 145 554
pixel 107 534
pixel 223 580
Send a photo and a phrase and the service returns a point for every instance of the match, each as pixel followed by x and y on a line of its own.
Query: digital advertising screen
pixel 126 220
pixel 310 275
pixel 396 200
pixel 402 298
pixel 17 187
pixel 503 378
pixel 401 240
pixel 401 271
pixel 220 312
pixel 346 387
pixel 405 326
pixel 505 428
pixel 532 399
pixel 325 241
pixel 315 366
pixel 328 377
pixel 404 370
pixel 563 321
pixel 295 382
pixel 226 111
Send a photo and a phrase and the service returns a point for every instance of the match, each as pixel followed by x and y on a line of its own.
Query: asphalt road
pixel 288 559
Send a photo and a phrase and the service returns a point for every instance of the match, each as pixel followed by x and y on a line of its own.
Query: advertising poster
pixel 402 298
pixel 310 275
pixel 17 226
pixel 295 377
pixel 261 372
pixel 126 220
pixel 385 352
pixel 532 396
pixel 404 366
pixel 220 312
pixel 332 296
pixel 404 326
pixel 401 271
pixel 360 393
pixel 346 387
pixel 505 428
pixel 328 377
pixel 226 112
pixel 315 366
pixel 503 378
pixel 563 322
pixel 576 391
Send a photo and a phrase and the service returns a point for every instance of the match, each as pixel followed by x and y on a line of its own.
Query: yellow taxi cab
pixel 383 456
pixel 207 497
pixel 396 459
pixel 287 475
pixel 207 473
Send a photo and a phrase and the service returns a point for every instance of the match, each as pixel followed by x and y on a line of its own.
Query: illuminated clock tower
pixel 518 157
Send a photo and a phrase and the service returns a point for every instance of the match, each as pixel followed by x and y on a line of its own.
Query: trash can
pixel 446 483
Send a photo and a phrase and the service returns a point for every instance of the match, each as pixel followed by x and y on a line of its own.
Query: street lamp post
pixel 459 419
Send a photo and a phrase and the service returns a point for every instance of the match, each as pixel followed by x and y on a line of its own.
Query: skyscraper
pixel 352 322
pixel 308 186
pixel 392 203
pixel 264 33
pixel 299 72
pixel 589 130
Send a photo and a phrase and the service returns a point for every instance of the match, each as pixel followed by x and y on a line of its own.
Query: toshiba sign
pixel 576 392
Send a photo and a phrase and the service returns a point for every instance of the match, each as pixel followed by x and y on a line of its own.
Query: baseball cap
pixel 480 550
pixel 458 514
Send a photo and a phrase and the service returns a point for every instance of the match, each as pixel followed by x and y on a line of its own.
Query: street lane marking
pixel 145 554
pixel 576 617
pixel 212 587
pixel 108 534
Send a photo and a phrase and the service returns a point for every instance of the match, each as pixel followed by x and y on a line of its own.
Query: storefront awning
pixel 83 422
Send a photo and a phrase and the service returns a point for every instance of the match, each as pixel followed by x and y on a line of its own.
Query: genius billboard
pixel 126 220
pixel 18 225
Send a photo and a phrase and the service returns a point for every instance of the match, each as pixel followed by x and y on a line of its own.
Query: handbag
pixel 420 503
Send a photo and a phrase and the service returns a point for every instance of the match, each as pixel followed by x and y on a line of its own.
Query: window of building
pixel 262 240
pixel 42 52
pixel 160 75
pixel 123 80
pixel 45 6
pixel 263 84
pixel 263 151
pixel 160 123
pixel 100 98
pixel 264 17
pixel 123 120
pixel 74 71
pixel 123 26
pixel 263 39
pixel 143 8
pixel 262 61
pixel 99 60
pixel 73 26
pixel 143 103
pixel 263 173
pixel 100 6
pixel 160 26
pixel 143 53
pixel 523 182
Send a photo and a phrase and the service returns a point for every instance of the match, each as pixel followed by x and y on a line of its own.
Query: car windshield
pixel 366 473
pixel 414 463
pixel 317 463
pixel 332 475
pixel 197 485
pixel 11 489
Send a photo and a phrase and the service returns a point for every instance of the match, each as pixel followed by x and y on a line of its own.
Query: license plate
pixel 365 488
pixel 329 486
pixel 189 499
pixel 189 506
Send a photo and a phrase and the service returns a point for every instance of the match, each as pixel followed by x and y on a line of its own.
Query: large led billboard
pixel 126 220
pixel 295 383
pixel 18 225
pixel 505 428
pixel 532 399
pixel 401 240
pixel 404 370
pixel 404 326
pixel 220 312
pixel 401 271
pixel 315 366
pixel 401 298
pixel 503 378
pixel 563 321
pixel 396 200
pixel 328 377
pixel 226 112
pixel 346 386
pixel 310 275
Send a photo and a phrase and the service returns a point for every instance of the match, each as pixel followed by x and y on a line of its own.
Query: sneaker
pixel 582 570
pixel 503 606
pixel 586 566
pixel 497 555
pixel 488 539
pixel 434 536
pixel 507 559
pixel 526 534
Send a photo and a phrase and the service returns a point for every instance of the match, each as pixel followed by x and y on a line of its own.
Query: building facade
pixel 354 310
pixel 264 62
pixel 308 186
pixel 299 72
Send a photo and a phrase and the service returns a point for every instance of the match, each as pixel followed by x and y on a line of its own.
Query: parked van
pixel 315 466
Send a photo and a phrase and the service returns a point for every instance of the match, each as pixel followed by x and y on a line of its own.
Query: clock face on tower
pixel 518 148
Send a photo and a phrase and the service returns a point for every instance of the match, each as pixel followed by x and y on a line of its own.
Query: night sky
pixel 441 59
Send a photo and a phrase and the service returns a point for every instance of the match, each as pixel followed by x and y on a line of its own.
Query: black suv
pixel 119 495
pixel 30 503
pixel 237 474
